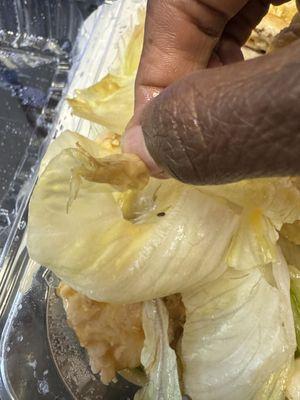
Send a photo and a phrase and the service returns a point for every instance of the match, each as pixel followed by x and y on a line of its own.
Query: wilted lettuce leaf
pixel 264 205
pixel 293 388
pixel 110 101
pixel 291 253
pixel 275 386
pixel 295 300
pixel 292 232
pixel 158 359
pixel 132 54
pixel 109 145
pixel 166 241
pixel 238 335
pixel 124 242
pixel 122 172
pixel 254 242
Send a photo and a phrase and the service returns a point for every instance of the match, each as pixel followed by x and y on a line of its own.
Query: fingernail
pixel 133 142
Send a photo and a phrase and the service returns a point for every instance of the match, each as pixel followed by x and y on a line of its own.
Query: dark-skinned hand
pixel 202 114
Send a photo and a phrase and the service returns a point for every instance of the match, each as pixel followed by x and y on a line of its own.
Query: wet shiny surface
pixel 36 40
pixel 40 358
pixel 23 94
pixel 36 50
pixel 54 366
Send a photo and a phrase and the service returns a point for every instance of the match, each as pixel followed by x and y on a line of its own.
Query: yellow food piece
pixel 288 35
pixel 286 11
pixel 277 19
pixel 122 171
pixel 112 334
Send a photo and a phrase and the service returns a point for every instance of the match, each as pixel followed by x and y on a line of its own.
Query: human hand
pixel 182 36
pixel 178 41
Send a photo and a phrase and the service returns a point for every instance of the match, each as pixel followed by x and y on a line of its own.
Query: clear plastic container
pixel 43 58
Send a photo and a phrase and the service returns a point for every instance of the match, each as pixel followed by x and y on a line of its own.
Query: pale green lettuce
pixel 110 102
pixel 158 359
pixel 163 243
pixel 293 387
pixel 238 335
pixel 292 255
pixel 264 205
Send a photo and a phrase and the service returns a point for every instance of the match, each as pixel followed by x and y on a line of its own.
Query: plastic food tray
pixel 40 357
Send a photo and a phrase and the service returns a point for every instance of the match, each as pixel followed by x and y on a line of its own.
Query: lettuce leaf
pixel 295 300
pixel 97 149
pixel 265 205
pixel 293 388
pixel 292 232
pixel 110 101
pixel 239 335
pixel 158 359
pixel 291 253
pixel 274 388
pixel 167 234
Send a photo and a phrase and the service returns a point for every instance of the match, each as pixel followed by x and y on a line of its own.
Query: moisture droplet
pixel 22 225
pixel 43 387
pixel 20 338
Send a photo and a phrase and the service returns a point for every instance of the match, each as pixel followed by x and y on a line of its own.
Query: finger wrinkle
pixel 178 151
pixel 224 15
pixel 207 20
pixel 213 32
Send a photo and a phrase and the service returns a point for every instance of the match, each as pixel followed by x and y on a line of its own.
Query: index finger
pixel 180 36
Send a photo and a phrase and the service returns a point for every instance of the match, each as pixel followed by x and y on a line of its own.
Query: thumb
pixel 133 142
pixel 225 124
